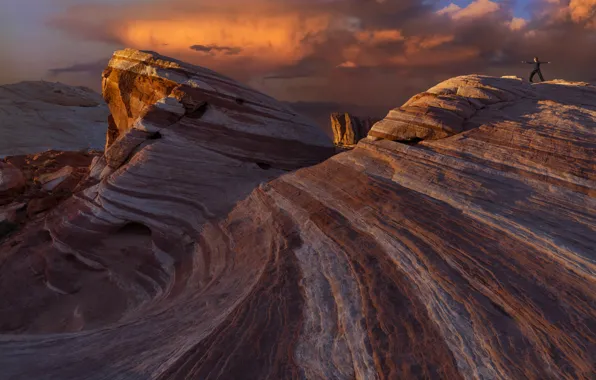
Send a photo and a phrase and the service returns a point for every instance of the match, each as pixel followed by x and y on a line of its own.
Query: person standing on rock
pixel 536 70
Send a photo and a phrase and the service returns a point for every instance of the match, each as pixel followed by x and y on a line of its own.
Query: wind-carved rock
pixel 445 110
pixel 348 129
pixel 186 144
pixel 461 257
pixel 39 116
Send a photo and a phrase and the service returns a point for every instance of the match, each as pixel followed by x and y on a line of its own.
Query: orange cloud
pixel 347 64
pixel 379 36
pixel 476 9
pixel 583 11
pixel 517 23
pixel 429 58
pixel 275 39
pixel 417 43
pixel 576 11
pixel 417 51
pixel 373 52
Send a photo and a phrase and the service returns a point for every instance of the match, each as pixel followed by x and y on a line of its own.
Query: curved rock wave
pixel 188 257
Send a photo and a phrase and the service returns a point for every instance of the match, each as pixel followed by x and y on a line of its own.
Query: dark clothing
pixel 536 69
pixel 536 65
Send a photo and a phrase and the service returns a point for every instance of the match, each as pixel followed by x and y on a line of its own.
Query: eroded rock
pixel 11 179
pixel 48 178
pixel 50 181
pixel 348 129
pixel 445 109
pixel 38 116
pixel 468 256
pixel 186 154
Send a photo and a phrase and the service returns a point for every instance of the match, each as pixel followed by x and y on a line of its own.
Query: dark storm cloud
pixel 93 68
pixel 360 51
pixel 214 48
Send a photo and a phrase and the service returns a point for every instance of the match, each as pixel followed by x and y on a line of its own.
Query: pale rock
pixel 444 110
pixel 39 116
pixel 97 166
pixel 469 256
pixel 50 181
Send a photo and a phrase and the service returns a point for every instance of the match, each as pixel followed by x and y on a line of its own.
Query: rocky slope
pixel 348 129
pixel 33 184
pixel 467 256
pixel 38 116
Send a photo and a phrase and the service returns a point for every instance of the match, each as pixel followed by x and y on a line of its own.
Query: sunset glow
pixel 341 50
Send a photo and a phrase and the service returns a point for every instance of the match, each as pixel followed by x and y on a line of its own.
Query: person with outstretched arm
pixel 536 70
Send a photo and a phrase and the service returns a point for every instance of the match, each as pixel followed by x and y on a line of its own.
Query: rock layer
pixel 348 129
pixel 470 256
pixel 45 179
pixel 171 166
pixel 446 109
pixel 40 116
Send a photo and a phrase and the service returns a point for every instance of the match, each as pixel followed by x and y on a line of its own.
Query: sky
pixel 342 53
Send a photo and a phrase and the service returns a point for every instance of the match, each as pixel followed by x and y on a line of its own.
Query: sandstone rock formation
pixel 348 129
pixel 188 152
pixel 38 116
pixel 45 179
pixel 11 178
pixel 465 257
pixel 51 180
pixel 447 108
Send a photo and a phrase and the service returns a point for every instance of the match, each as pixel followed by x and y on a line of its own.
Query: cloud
pixel 477 8
pixel 583 10
pixel 350 51
pixel 347 64
pixel 379 36
pixel 517 23
pixel 214 48
pixel 94 67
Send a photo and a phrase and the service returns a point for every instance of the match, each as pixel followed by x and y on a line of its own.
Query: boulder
pixel 50 181
pixel 11 179
pixel 56 172
pixel 9 218
pixel 8 213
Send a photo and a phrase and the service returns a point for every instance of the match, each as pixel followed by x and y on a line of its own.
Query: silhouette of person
pixel 536 70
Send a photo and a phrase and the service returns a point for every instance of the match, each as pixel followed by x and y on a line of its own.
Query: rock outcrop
pixel 52 180
pixel 183 156
pixel 44 180
pixel 446 109
pixel 348 129
pixel 40 116
pixel 467 256
pixel 11 179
